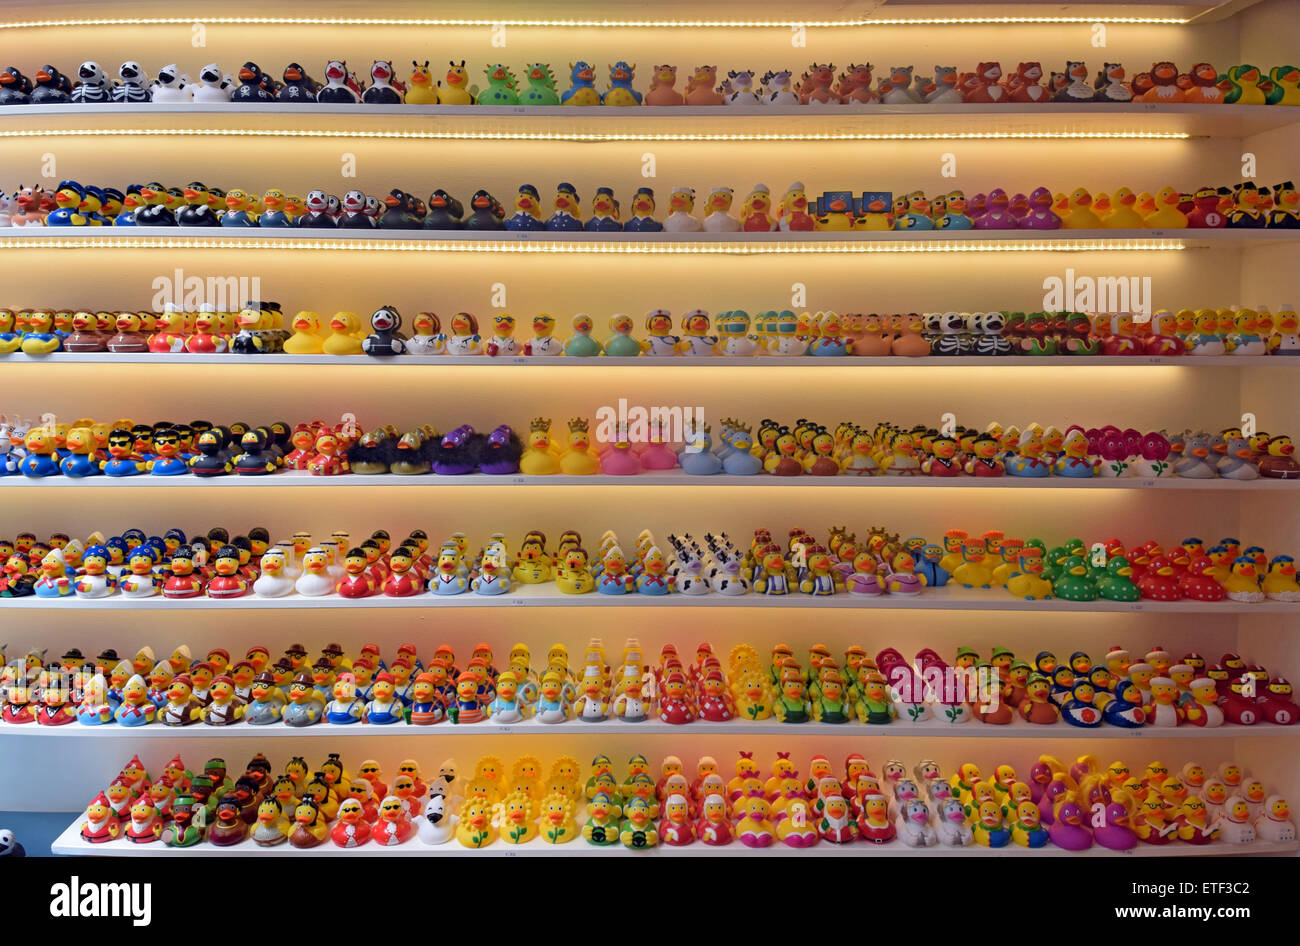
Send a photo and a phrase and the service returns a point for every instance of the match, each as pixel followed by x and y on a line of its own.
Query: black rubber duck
pixel 15 88
pixel 399 215
pixel 254 461
pixel 211 460
pixel 52 87
pixel 251 87
pixel 298 86
pixel 386 338
pixel 197 212
pixel 445 212
pixel 487 213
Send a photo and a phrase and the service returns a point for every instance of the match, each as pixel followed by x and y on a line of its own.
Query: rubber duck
pixel 502 86
pixel 343 339
pixel 1167 215
pixel 456 90
pixel 681 218
pixel 1243 583
pixel 1241 85
pixel 1037 706
pixel 1233 824
pixel 1275 824
pixel 1028 581
pixel 582 86
pixel 540 89
pixel 1080 215
pixel 719 219
pixel 989 829
pixel 1279 461
pixel 580 343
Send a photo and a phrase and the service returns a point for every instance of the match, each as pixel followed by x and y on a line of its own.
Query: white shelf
pixel 672 478
pixel 70 842
pixel 453 361
pixel 932 728
pixel 547 596
pixel 857 241
pixel 800 122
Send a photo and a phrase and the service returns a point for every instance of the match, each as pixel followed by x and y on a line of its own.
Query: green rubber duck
pixel 1073 583
pixel 1117 585
pixel 541 86
pixel 1286 86
pixel 1055 561
pixel 1244 85
pixel 621 344
pixel 581 344
pixel 501 86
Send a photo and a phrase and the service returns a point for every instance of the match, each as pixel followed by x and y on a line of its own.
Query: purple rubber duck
pixel 1116 833
pixel 501 452
pixel 1068 832
pixel 1040 216
pixel 1053 792
pixel 997 217
pixel 456 455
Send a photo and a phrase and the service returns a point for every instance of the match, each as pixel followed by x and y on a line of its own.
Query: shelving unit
pixel 418 148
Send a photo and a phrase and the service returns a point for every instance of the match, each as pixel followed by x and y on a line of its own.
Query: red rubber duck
pixel 1237 707
pixel 1197 585
pixel 1278 702
pixel 1159 582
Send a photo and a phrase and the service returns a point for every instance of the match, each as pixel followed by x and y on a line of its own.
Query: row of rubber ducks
pixel 818 85
pixel 219 567
pixel 887 449
pixel 183 807
pixel 262 328
pixel 1245 205
pixel 1071 807
pixel 1155 689
pixel 1106 570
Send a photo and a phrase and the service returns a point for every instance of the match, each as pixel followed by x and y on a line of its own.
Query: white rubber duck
pixel 437 824
pixel 950 825
pixel 209 88
pixel 719 219
pixel 273 582
pixel 682 218
pixel 315 579
pixel 170 87
pixel 1234 824
pixel 913 825
pixel 1275 824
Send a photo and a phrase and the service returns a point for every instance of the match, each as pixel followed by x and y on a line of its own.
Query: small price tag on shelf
pixel 520 360
pixel 1136 606
pixel 517 480
pixel 505 730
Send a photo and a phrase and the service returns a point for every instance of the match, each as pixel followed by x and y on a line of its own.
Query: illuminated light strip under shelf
pixel 598 136
pixel 549 247
pixel 588 23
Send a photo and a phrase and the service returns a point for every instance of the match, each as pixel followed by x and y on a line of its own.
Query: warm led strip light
pixel 599 136
pixel 632 247
pixel 578 23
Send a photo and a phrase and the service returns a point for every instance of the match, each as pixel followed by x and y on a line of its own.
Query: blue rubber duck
pixel 526 215
pixel 604 213
pixel 567 209
pixel 698 458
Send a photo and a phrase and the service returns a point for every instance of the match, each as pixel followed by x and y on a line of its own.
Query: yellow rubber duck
pixel 1167 215
pixel 420 89
pixel 556 821
pixel 975 571
pixel 474 829
pixel 1029 582
pixel 538 458
pixel 517 825
pixel 573 576
pixel 578 460
pixel 1280 582
pixel 1243 583
pixel 456 90
pixel 342 339
pixel 1123 216
pixel 306 338
pixel 1080 216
